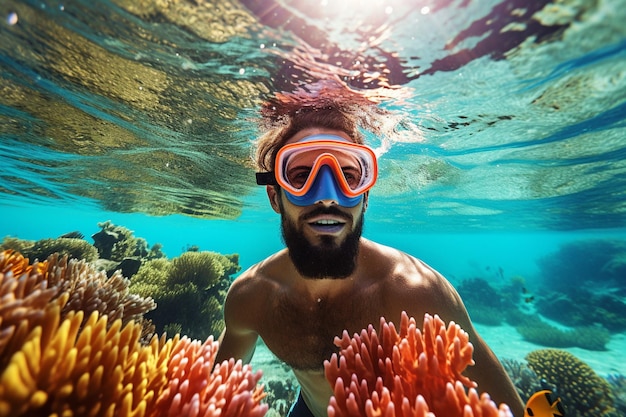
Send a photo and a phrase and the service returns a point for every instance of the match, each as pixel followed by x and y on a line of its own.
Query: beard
pixel 328 259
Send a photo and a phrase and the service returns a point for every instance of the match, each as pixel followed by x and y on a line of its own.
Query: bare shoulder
pixel 401 268
pixel 246 295
pixel 415 287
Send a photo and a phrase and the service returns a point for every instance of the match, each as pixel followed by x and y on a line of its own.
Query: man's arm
pixel 238 340
pixel 487 371
pixel 491 376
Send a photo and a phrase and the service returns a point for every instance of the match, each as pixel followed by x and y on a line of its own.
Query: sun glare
pixel 346 8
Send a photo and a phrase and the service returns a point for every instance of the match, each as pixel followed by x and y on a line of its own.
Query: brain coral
pixel 583 393
pixel 411 373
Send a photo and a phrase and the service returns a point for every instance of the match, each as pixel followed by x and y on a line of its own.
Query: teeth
pixel 327 222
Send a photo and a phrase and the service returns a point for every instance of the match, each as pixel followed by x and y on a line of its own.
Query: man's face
pixel 323 238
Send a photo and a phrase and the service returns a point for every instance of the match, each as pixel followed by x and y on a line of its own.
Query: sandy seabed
pixel 507 343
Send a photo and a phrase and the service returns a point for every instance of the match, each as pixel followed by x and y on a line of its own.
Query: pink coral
pixel 411 373
pixel 194 388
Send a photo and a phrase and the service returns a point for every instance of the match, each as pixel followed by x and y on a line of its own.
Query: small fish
pixel 541 405
pixel 530 299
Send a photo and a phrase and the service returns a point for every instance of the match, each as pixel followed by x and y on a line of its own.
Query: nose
pixel 325 188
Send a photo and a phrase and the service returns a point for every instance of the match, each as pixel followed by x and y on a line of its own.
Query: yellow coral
pixel 76 363
pixel 96 371
pixel 582 391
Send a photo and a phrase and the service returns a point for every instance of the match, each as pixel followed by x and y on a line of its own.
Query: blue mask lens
pixel 325 187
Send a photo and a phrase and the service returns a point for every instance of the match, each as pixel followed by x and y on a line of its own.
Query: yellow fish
pixel 541 405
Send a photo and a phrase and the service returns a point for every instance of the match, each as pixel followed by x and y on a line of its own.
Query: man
pixel 329 278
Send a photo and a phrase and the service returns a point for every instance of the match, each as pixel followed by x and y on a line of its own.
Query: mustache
pixel 331 210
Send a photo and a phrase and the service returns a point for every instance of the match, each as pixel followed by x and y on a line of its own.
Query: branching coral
pixel 406 373
pixel 92 372
pixel 62 361
pixel 95 371
pixel 25 301
pixel 582 391
pixel 91 290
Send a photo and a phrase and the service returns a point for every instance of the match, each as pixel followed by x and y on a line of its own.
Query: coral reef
pixel 281 394
pixel 583 393
pixel 406 373
pixel 117 242
pixel 90 359
pixel 190 291
pixel 482 301
pixel 28 292
pixel 582 307
pixel 115 248
pixel 536 330
pixel 585 263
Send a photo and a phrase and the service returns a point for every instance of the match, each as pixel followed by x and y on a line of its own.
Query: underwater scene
pixel 129 204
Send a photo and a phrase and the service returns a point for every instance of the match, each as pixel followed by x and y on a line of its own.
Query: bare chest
pixel 301 332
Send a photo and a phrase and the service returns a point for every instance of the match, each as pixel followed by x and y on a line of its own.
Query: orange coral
pixel 55 360
pixel 411 373
pixel 17 264
pixel 25 299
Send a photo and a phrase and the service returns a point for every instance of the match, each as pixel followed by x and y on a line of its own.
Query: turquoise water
pixel 504 141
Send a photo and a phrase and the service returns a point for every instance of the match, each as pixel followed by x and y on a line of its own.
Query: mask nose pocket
pixel 325 187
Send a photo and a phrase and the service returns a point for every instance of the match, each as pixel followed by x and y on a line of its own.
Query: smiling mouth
pixel 327 225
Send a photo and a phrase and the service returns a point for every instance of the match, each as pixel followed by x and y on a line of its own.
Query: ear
pixel 273 196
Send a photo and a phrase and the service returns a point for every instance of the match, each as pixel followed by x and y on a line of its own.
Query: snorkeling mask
pixel 323 167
